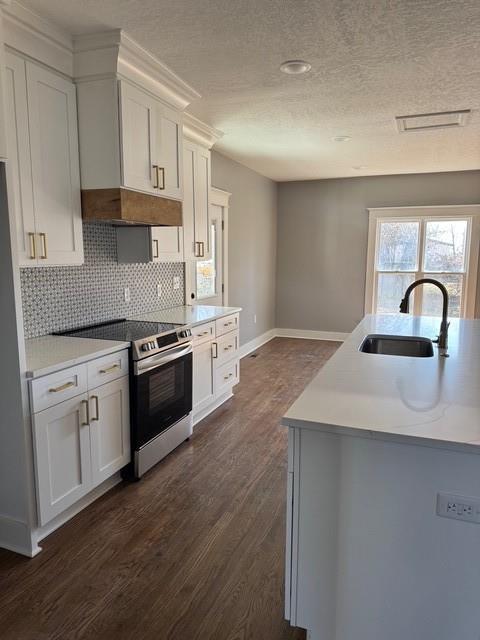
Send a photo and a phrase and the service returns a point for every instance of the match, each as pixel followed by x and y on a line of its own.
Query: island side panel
pixel 374 559
pixel 314 565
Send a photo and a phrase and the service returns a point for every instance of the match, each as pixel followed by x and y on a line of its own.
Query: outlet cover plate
pixel 457 507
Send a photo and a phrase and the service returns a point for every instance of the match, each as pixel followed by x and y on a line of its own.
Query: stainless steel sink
pixel 411 346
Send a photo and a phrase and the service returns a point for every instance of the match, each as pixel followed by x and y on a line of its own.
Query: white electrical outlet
pixel 176 282
pixel 458 507
pixel 159 290
pixel 255 319
pixel 126 294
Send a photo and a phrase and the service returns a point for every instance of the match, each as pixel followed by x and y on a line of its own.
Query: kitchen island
pixel 378 445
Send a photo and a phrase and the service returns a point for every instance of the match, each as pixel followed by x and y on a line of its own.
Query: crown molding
pixel 115 53
pixel 219 197
pixel 199 132
pixel 32 35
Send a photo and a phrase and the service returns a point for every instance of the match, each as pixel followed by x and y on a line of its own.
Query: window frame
pixel 471 213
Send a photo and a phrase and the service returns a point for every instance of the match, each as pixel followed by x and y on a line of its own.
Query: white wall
pixel 252 243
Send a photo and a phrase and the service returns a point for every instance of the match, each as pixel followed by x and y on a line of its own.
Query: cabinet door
pixel 169 152
pixel 110 428
pixel 19 166
pixel 62 456
pixel 52 116
pixel 189 158
pixel 167 244
pixel 203 377
pixel 202 201
pixel 138 128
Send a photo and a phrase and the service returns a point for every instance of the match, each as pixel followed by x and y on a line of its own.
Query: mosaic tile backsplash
pixel 56 298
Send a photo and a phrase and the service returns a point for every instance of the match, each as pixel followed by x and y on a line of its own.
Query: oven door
pixel 161 393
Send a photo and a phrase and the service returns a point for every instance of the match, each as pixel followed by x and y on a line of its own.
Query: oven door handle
pixel 162 358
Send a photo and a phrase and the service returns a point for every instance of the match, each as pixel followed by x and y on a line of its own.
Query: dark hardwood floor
pixel 194 551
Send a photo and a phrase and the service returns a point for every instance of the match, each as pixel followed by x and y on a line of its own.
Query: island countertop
pixel 431 400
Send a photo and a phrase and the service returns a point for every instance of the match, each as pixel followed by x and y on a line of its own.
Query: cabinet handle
pixel 110 369
pixel 155 246
pixel 215 354
pixel 197 251
pixel 62 387
pixel 33 252
pixel 163 178
pixel 230 375
pixel 87 413
pixel 202 244
pixel 43 238
pixel 97 410
pixel 155 173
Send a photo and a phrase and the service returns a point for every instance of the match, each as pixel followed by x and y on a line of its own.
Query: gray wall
pixel 322 240
pixel 252 243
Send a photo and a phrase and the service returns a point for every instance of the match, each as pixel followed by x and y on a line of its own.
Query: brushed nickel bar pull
pixel 43 238
pixel 215 355
pixel 162 169
pixel 97 410
pixel 197 250
pixel 62 387
pixel 155 169
pixel 33 252
pixel 110 369
pixel 230 375
pixel 203 249
pixel 87 413
pixel 155 246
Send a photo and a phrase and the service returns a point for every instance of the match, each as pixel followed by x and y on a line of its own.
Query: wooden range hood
pixel 125 206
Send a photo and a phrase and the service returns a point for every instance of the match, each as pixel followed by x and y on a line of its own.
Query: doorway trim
pixel 221 198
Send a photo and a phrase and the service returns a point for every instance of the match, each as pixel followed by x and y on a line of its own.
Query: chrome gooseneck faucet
pixel 442 339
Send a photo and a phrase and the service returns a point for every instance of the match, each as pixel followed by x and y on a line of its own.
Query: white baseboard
pixel 307 334
pixel 257 342
pixel 15 536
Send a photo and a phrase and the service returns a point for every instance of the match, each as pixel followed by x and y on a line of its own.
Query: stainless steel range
pixel 160 385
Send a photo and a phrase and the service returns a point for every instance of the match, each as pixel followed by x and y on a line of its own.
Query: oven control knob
pixel 146 346
pixel 185 333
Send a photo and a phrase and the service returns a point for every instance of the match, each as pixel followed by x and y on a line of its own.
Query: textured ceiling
pixel 371 61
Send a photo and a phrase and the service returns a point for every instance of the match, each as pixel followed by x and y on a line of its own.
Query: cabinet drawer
pixel 227 376
pixel 225 348
pixel 203 332
pixel 57 387
pixel 227 324
pixel 107 368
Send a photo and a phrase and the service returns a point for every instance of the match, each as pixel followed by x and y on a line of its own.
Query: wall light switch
pixel 255 319
pixel 126 294
pixel 176 282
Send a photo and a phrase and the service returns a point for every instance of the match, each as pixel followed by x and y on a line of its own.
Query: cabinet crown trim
pixel 114 52
pixel 199 132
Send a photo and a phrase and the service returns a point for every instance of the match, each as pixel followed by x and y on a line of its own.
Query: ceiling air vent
pixel 426 121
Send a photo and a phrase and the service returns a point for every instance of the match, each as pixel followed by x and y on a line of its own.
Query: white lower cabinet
pixel 62 456
pixel 216 366
pixel 109 429
pixel 203 376
pixel 78 442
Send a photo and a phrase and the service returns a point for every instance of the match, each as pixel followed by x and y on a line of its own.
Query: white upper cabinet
pixel 169 150
pixel 138 140
pixel 196 209
pixel 44 171
pixel 138 133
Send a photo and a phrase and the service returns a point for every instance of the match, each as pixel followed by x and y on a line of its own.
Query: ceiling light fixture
pixel 341 138
pixel 295 67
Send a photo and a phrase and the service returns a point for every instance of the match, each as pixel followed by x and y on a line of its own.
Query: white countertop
pixel 432 400
pixel 48 354
pixel 188 315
